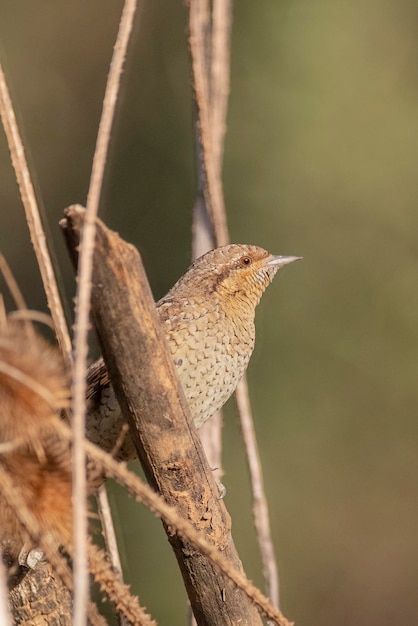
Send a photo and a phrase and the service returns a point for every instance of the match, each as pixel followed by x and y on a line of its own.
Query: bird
pixel 208 318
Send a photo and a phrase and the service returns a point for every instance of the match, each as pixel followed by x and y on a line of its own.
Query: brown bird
pixel 208 318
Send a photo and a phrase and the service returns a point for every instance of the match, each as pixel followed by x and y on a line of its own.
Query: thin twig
pixel 110 539
pixel 15 293
pixel 33 218
pixel 32 316
pixel 11 283
pixel 109 530
pixel 81 586
pixel 260 508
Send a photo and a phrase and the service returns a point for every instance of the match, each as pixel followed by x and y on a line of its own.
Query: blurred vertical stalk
pixel 210 32
pixel 209 44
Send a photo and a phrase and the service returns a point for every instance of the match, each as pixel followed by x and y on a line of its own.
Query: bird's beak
pixel 278 261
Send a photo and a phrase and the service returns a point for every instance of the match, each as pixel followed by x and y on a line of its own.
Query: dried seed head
pixel 33 388
pixel 33 384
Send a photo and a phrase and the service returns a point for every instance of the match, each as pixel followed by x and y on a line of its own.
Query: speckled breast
pixel 211 353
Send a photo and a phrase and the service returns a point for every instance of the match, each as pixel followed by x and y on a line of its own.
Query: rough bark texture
pixel 41 598
pixel 152 400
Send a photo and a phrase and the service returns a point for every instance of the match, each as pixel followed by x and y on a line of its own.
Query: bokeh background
pixel 321 161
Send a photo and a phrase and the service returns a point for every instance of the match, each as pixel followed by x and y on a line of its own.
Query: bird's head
pixel 237 274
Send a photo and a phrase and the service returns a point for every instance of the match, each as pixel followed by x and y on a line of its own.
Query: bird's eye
pixel 245 261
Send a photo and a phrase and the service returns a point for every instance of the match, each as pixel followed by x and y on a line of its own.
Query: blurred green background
pixel 321 161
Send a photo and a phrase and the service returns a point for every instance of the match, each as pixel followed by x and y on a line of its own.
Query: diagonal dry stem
pixel 182 527
pixel 33 218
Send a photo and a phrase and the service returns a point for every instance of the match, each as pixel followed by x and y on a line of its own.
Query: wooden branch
pixel 41 593
pixel 153 402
